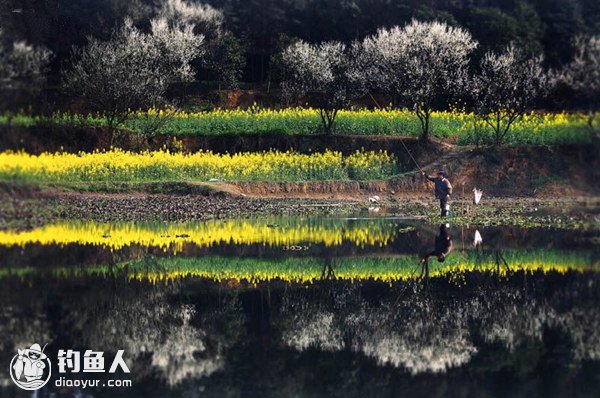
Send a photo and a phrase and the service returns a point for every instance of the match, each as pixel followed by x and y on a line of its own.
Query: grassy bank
pixel 118 165
pixel 460 127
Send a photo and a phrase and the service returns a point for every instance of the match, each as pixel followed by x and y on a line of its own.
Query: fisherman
pixel 443 190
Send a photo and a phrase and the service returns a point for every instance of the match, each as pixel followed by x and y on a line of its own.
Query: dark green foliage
pixel 226 61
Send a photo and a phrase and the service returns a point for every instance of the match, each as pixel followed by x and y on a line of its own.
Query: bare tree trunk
pixel 590 121
pixel 332 120
pixel 498 129
pixel 423 115
pixel 323 120
pixel 328 119
pixel 426 130
pixel 110 121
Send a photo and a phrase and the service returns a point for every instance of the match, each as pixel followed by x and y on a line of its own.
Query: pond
pixel 316 306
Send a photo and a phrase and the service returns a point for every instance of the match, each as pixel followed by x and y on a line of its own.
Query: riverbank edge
pixel 26 206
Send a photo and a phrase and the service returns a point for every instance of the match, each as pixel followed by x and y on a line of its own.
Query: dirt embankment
pixel 541 171
pixel 536 171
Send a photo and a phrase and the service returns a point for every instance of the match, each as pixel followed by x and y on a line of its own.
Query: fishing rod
pixel 401 141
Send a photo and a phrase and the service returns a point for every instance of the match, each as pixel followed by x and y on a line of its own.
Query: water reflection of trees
pixel 160 331
pixel 416 334
pixel 193 329
pixel 422 332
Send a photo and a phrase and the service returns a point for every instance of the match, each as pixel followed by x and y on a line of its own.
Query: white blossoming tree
pixel 224 55
pixel 22 71
pixel 420 66
pixel 320 73
pixel 506 88
pixel 204 17
pixel 133 69
pixel 582 75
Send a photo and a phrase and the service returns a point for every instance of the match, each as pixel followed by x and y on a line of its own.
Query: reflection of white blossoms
pixel 319 331
pixel 434 356
pixel 178 354
pixel 511 319
pixel 422 334
pixel 418 336
pixel 583 326
pixel 148 326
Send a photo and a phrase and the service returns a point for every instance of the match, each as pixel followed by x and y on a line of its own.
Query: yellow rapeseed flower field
pixel 119 165
pixel 456 125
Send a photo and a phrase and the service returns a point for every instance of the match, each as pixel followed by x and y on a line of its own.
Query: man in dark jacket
pixel 443 190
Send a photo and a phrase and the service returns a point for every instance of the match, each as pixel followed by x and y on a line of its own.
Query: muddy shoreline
pixel 30 209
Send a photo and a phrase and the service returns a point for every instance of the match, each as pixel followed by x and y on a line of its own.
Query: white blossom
pixel 133 69
pixel 22 69
pixel 582 75
pixel 418 65
pixel 507 86
pixel 320 73
pixel 178 12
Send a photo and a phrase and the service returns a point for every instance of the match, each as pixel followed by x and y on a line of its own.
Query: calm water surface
pixel 308 307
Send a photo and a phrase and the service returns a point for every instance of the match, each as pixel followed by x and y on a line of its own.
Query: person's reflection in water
pixel 328 271
pixel 443 247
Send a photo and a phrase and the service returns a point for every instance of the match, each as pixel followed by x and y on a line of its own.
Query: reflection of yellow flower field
pixel 312 269
pixel 383 269
pixel 172 237
pixel 118 165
